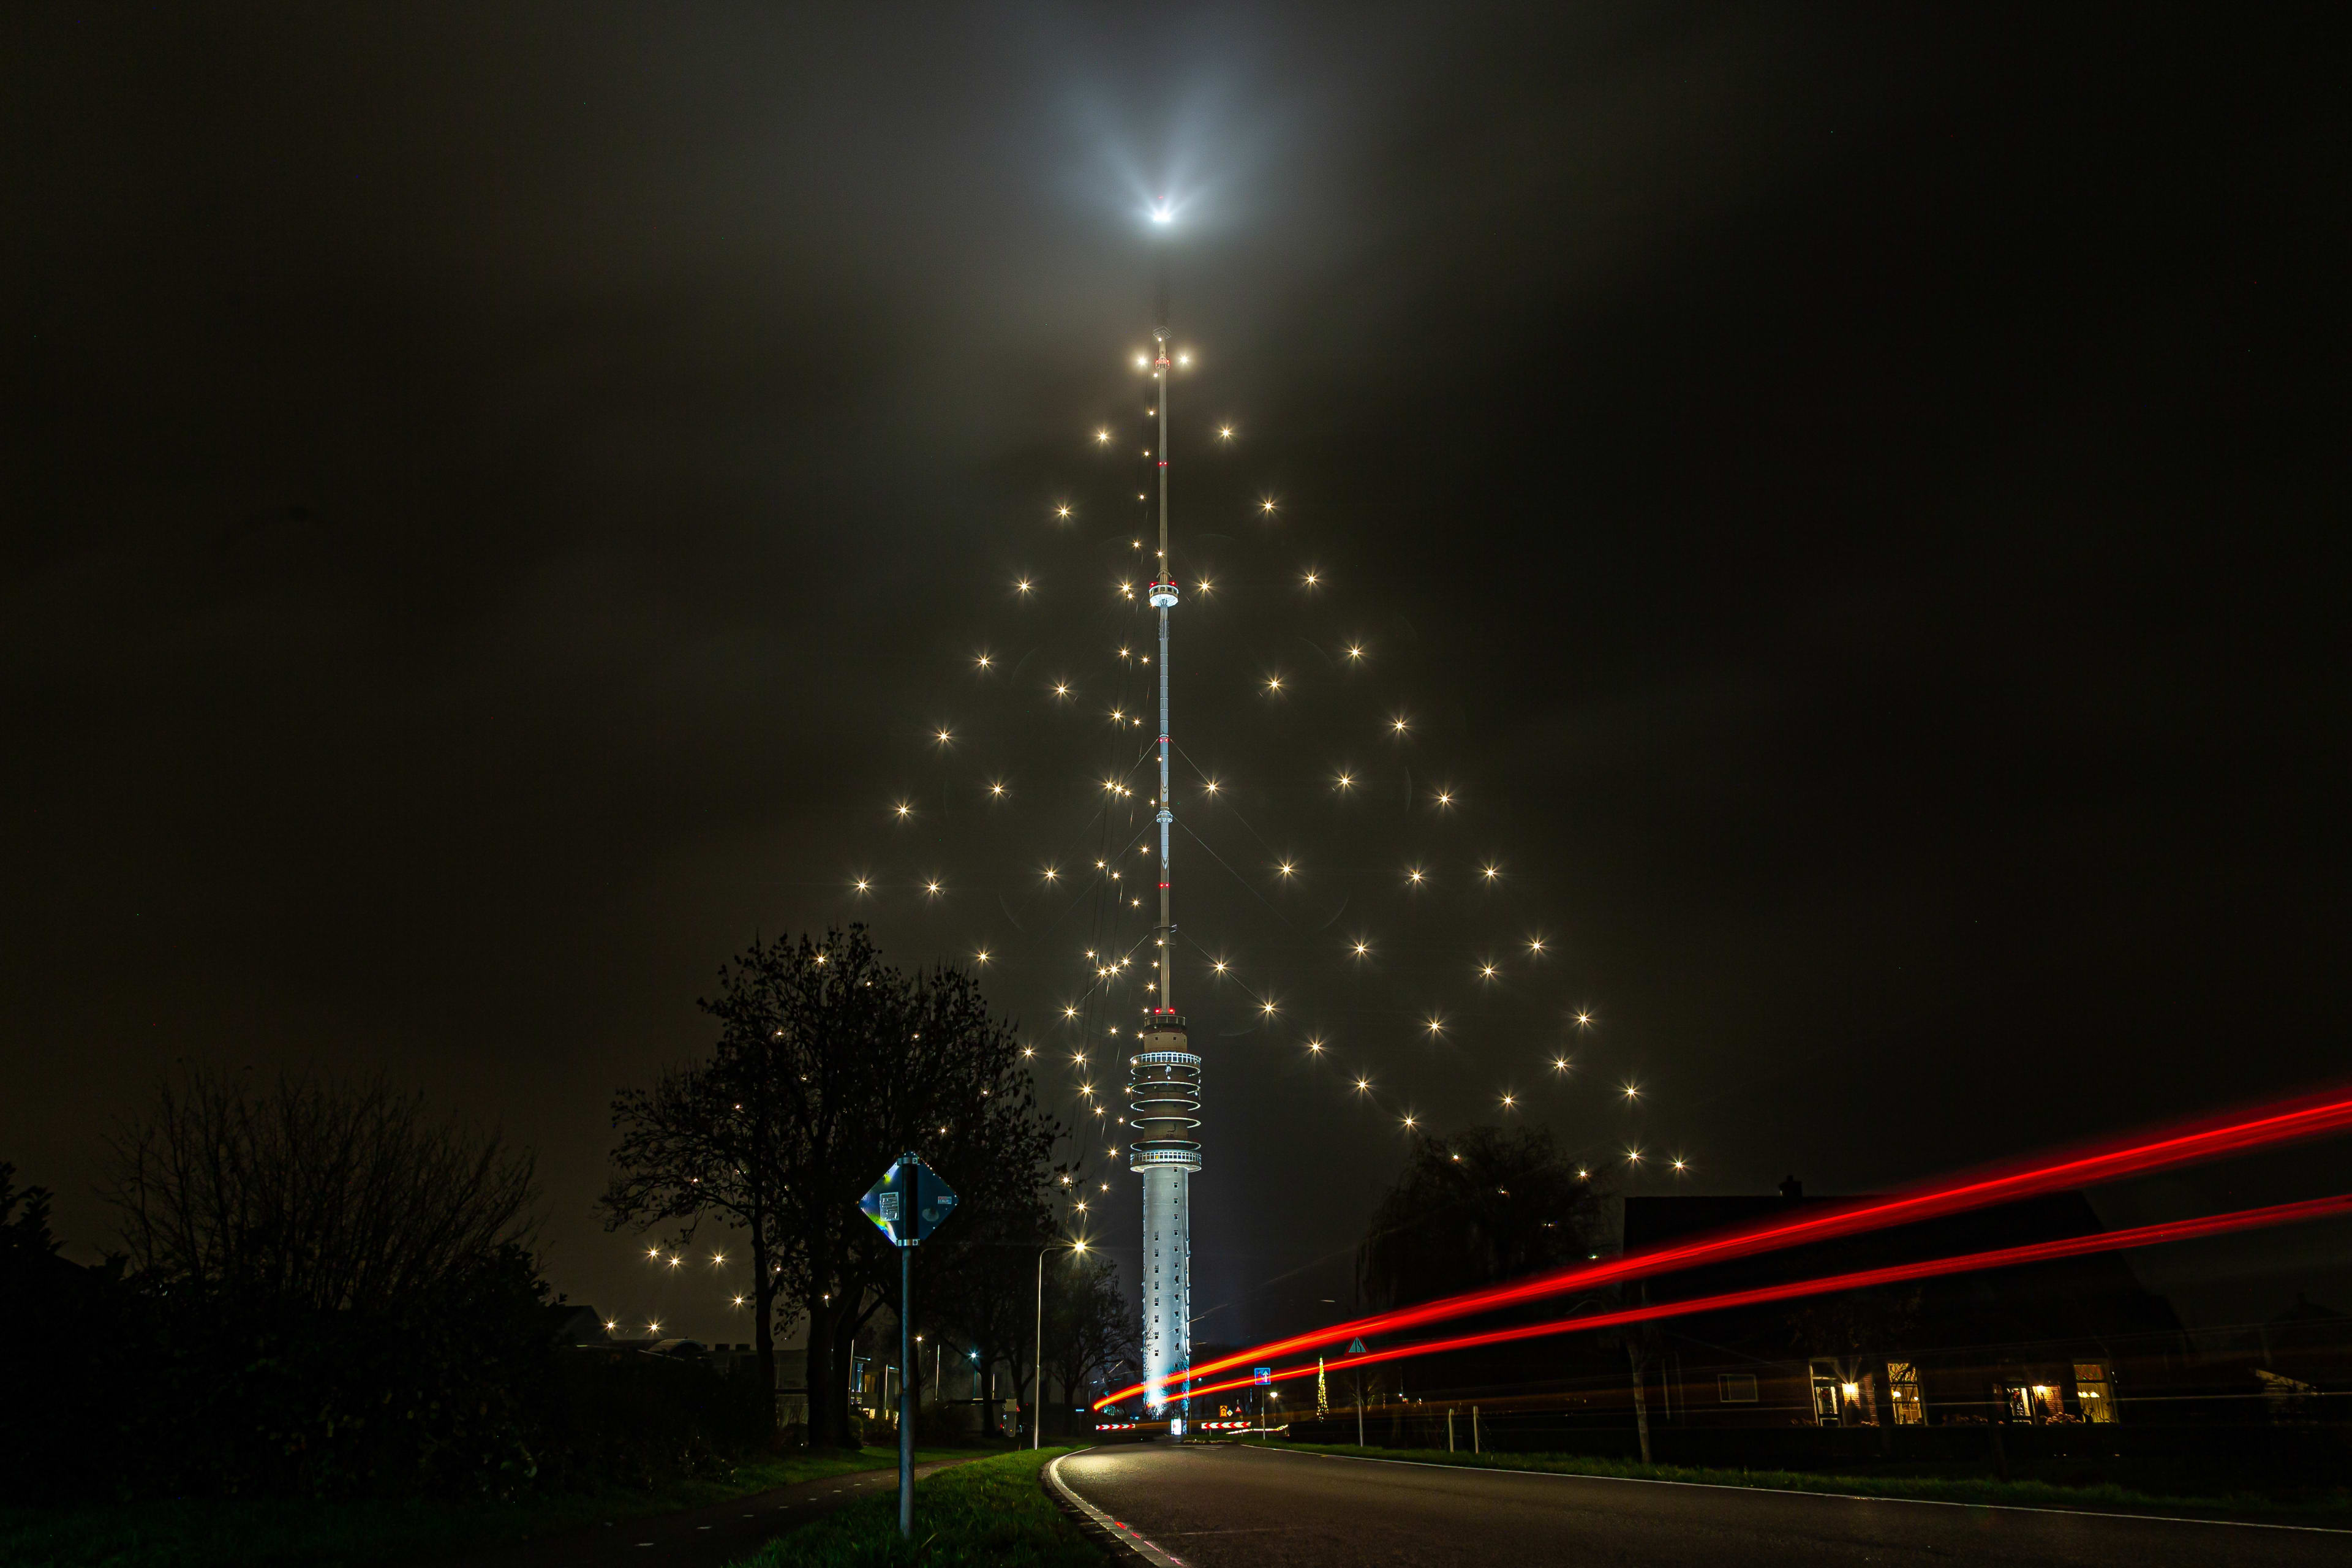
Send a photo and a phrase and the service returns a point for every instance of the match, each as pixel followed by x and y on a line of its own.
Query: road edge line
pixel 1804 1491
pixel 1104 1530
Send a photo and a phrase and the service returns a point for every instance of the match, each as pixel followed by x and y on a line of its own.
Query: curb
pixel 1123 1544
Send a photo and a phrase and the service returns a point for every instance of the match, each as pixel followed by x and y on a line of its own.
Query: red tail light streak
pixel 2002 1258
pixel 2138 1154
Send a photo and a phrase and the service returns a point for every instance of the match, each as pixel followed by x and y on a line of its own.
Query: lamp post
pixel 1037 1360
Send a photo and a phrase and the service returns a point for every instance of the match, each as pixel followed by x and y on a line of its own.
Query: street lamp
pixel 1037 1360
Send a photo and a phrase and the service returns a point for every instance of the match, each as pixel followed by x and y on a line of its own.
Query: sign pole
pixel 907 1204
pixel 905 1394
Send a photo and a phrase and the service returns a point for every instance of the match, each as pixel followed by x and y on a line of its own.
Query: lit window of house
pixel 1826 1398
pixel 2095 1390
pixel 1903 1391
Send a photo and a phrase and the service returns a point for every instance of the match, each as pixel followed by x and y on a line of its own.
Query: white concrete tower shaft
pixel 1164 1077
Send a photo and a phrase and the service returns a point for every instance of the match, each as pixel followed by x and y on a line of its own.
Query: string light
pixel 1022 586
pixel 1560 1064
pixel 1355 651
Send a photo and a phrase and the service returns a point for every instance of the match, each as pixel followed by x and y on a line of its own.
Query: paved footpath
pixel 1220 1506
pixel 708 1537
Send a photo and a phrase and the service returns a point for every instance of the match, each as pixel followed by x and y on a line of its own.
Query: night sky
pixel 499 500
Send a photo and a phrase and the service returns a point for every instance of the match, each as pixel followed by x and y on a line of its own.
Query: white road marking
pixel 1795 1491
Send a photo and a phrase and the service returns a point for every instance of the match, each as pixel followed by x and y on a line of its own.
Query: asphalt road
pixel 1228 1507
pixel 699 1538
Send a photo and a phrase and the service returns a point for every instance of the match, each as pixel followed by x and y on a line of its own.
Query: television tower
pixel 1164 1077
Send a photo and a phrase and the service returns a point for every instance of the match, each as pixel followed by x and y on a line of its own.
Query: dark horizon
pixel 497 504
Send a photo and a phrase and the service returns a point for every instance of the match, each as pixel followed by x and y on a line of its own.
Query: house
pixel 2056 1342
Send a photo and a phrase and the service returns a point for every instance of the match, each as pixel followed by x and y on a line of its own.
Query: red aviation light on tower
pixel 2185 1144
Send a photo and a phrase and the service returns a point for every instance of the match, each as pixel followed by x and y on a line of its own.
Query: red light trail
pixel 2190 1143
pixel 1894 1274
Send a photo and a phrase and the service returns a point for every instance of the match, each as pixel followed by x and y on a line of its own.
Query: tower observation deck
pixel 1163 1088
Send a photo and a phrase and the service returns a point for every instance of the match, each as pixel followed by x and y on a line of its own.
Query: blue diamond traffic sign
pixel 909 1201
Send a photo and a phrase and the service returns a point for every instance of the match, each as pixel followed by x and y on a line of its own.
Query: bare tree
pixel 311 1191
pixel 706 1140
pixel 1090 1327
pixel 1473 1209
pixel 848 1063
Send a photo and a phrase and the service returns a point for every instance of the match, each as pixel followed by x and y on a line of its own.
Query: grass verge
pixel 2335 1510
pixel 992 1511
pixel 281 1533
